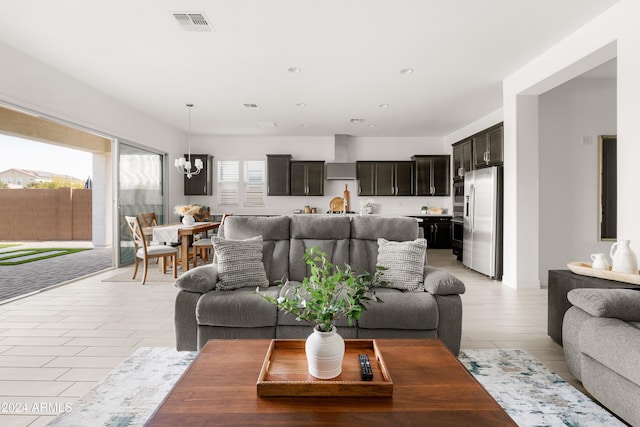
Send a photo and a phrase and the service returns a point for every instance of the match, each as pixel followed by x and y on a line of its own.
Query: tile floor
pixel 57 344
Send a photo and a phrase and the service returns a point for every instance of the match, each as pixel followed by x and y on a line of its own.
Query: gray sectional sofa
pixel 601 340
pixel 203 311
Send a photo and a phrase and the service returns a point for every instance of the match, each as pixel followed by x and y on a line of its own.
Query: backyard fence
pixel 45 214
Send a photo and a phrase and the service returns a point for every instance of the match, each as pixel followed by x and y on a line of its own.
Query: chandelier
pixel 184 165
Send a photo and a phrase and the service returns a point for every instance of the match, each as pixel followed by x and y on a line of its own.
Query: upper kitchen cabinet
pixel 278 171
pixel 386 178
pixel 462 158
pixel 366 173
pixel 201 184
pixel 433 175
pixel 307 178
pixel 488 147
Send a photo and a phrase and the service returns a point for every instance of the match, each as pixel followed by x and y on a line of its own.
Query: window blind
pixel 228 182
pixel 254 173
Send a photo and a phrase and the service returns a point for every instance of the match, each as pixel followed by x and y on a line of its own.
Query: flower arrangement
pixel 329 293
pixel 187 209
pixel 366 203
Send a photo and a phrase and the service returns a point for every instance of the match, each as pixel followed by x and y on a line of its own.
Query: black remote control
pixel 365 367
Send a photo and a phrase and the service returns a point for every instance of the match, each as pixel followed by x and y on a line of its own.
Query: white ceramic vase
pixel 188 220
pixel 623 258
pixel 599 262
pixel 325 351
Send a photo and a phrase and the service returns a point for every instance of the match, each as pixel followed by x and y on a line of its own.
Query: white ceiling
pixel 350 53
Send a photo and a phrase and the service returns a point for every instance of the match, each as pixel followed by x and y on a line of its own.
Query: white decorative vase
pixel 623 258
pixel 599 262
pixel 325 351
pixel 188 220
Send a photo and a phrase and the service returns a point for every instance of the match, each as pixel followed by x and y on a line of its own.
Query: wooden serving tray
pixel 585 269
pixel 285 372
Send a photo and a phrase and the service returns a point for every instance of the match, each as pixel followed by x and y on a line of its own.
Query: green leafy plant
pixel 329 293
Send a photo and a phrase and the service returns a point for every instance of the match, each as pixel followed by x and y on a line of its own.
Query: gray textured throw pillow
pixel 240 263
pixel 405 263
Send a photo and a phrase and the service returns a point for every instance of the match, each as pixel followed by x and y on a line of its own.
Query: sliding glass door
pixel 140 190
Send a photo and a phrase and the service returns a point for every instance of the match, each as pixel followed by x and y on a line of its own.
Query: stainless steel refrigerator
pixel 482 237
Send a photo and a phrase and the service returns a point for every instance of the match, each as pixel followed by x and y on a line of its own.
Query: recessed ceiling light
pixel 371 125
pixel 301 104
pixel 294 70
pixel 305 125
pixel 406 71
pixel 267 124
pixel 383 105
pixel 356 120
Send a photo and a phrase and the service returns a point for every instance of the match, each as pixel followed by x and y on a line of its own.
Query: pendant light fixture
pixel 184 165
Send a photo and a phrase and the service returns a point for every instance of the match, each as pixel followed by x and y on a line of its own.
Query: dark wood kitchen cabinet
pixel 462 158
pixel 201 184
pixel 278 171
pixel 366 172
pixel 386 178
pixel 437 231
pixel 433 175
pixel 488 147
pixel 307 178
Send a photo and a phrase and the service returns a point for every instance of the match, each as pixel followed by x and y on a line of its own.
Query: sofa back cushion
pixel 329 233
pixel 365 232
pixel 275 235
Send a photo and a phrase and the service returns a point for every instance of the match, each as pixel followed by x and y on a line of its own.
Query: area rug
pixel 530 393
pixel 522 385
pixel 23 256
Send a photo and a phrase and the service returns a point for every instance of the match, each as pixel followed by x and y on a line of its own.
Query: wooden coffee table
pixel 430 388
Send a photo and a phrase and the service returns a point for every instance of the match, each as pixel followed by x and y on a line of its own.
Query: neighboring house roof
pixel 40 174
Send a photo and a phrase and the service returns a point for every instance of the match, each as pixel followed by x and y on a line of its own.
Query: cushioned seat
pixel 392 313
pixel 601 343
pixel 156 250
pixel 239 308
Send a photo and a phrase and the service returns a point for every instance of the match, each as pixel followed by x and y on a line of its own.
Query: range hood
pixel 341 168
pixel 341 171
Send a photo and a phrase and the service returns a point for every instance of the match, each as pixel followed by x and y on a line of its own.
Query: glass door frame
pixel 117 199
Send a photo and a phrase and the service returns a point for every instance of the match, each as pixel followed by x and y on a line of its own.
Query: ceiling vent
pixel 250 106
pixel 357 120
pixel 192 21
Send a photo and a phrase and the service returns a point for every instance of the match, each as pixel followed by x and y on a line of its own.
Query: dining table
pixel 179 233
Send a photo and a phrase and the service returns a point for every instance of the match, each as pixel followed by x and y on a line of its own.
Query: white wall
pixel 34 86
pixel 568 198
pixel 612 34
pixel 322 148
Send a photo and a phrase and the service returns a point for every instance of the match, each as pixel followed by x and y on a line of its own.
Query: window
pixel 228 180
pixel 230 193
pixel 254 182
pixel 19 181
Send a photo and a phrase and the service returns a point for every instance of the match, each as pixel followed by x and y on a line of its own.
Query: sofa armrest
pixel 200 279
pixel 440 282
pixel 623 304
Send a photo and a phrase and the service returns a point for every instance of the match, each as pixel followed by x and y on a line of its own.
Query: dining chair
pixel 201 247
pixel 202 216
pixel 149 219
pixel 145 252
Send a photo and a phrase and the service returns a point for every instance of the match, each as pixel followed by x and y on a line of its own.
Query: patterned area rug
pixel 529 392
